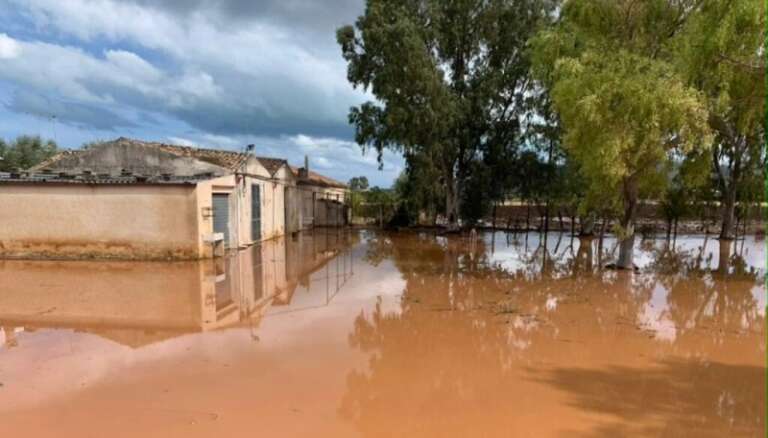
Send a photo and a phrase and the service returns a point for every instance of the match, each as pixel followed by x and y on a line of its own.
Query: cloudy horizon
pixel 218 74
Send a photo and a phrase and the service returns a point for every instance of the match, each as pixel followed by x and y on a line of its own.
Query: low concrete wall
pixel 321 206
pixel 98 221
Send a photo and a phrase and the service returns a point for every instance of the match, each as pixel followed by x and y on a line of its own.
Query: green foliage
pixel 722 52
pixel 689 181
pixel 586 105
pixel 623 108
pixel 530 180
pixel 358 183
pixel 25 152
pixel 375 204
pixel 450 79
pixel 419 190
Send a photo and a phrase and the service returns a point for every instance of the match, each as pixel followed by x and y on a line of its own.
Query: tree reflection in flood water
pixel 675 350
pixel 362 333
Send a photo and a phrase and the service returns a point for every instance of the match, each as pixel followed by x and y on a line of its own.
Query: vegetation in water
pixel 584 108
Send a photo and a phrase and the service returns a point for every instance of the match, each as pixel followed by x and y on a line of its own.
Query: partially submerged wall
pixel 98 221
pixel 321 206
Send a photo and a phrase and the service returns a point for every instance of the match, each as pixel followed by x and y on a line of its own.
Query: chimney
pixel 304 171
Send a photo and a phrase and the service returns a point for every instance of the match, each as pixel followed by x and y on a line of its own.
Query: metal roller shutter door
pixel 221 216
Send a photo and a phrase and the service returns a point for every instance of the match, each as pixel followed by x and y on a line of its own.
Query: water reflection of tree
pixel 465 324
pixel 719 299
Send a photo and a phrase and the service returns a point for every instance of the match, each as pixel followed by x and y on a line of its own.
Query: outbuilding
pixel 131 199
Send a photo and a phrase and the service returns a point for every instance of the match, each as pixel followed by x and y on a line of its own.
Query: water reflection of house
pixel 130 199
pixel 139 303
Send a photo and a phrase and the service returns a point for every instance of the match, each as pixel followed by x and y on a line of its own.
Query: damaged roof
pixel 272 164
pixel 230 160
pixel 97 179
pixel 315 179
pixel 160 159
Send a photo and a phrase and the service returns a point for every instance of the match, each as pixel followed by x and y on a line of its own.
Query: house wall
pixel 240 190
pixel 203 215
pixel 317 208
pixel 272 210
pixel 104 221
pixel 273 201
pixel 292 210
pixel 135 221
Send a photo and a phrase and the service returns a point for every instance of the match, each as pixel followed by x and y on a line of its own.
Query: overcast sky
pixel 213 73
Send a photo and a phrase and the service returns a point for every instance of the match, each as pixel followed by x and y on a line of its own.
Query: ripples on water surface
pixel 391 335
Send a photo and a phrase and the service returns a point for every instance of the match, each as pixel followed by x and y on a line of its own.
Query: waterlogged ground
pixel 391 335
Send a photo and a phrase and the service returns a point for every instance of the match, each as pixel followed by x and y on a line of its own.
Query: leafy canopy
pixel 449 78
pixel 622 106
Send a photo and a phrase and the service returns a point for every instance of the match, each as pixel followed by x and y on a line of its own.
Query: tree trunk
pixel 626 251
pixel 587 225
pixel 729 214
pixel 728 186
pixel 627 244
pixel 452 203
pixel 583 255
pixel 724 258
pixel 573 225
pixel 527 216
pixel 675 232
pixel 600 242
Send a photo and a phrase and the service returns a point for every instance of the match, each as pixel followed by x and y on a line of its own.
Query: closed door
pixel 255 212
pixel 221 215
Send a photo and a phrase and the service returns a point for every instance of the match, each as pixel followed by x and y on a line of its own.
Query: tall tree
pixel 623 108
pixel 721 51
pixel 25 152
pixel 449 77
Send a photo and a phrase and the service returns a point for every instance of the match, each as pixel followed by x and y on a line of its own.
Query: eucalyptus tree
pixel 449 80
pixel 623 108
pixel 721 51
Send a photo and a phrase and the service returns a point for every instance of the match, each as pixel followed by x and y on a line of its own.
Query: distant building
pixel 131 199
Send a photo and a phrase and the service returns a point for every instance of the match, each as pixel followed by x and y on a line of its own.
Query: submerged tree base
pixel 616 267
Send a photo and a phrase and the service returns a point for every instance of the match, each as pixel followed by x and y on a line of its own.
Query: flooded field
pixel 358 333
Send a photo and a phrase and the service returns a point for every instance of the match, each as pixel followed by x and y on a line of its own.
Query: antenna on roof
pixel 247 150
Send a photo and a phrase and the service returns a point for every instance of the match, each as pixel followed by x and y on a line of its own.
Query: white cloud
pixel 9 48
pixel 181 141
pixel 253 65
pixel 214 81
pixel 133 65
pixel 120 77
pixel 336 158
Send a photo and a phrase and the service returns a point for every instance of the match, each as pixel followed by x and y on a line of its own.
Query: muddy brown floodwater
pixel 358 333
